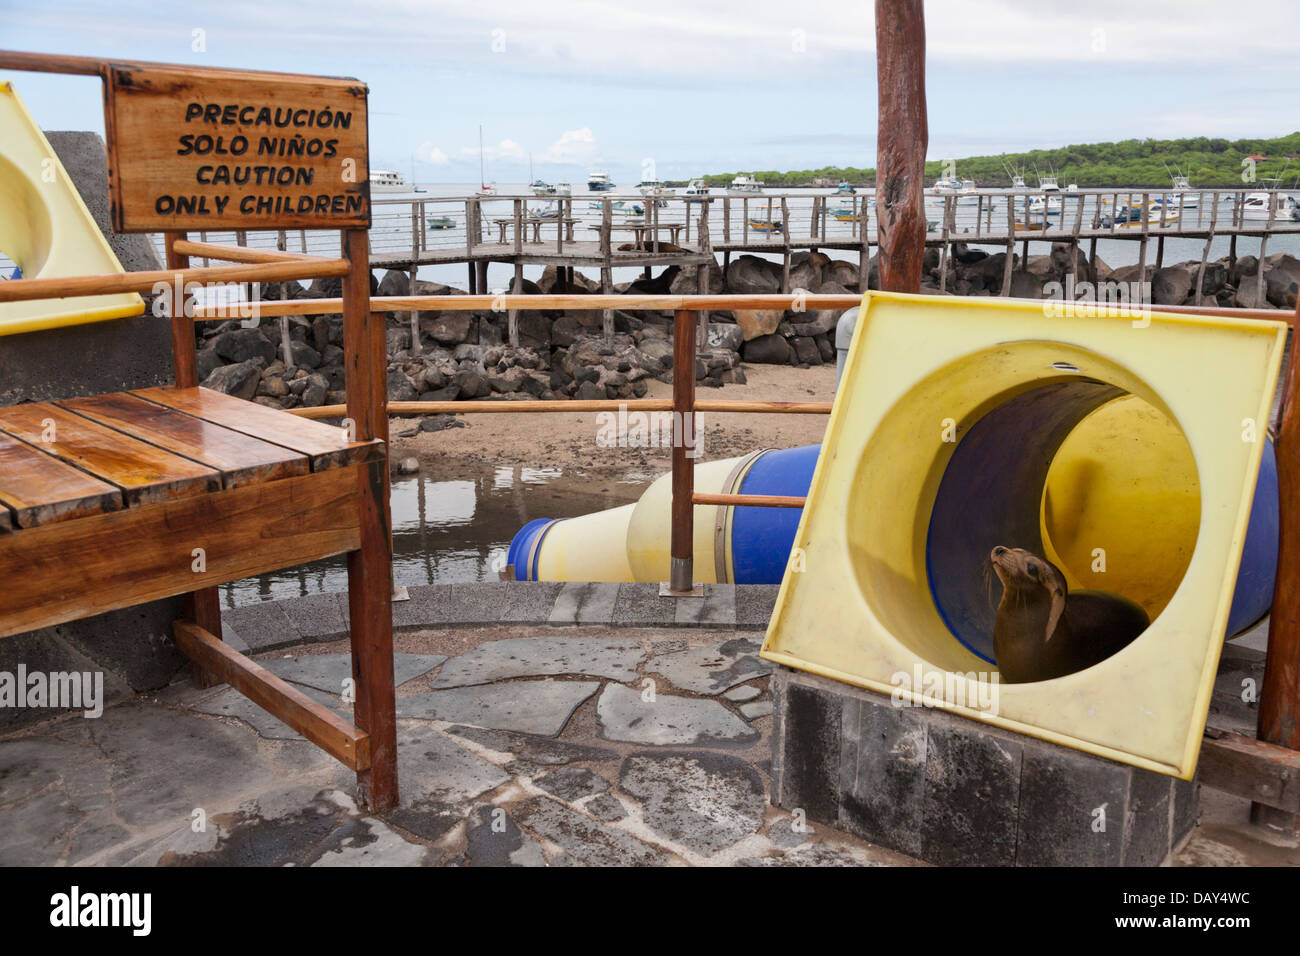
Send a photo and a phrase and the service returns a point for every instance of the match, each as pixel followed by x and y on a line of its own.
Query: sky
pixel 680 88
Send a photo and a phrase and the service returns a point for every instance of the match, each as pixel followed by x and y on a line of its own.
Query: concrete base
pixel 958 793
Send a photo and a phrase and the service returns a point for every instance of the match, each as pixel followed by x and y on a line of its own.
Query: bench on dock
pixel 646 234
pixel 536 222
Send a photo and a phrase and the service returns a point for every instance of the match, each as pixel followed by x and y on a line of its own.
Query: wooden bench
pixel 536 222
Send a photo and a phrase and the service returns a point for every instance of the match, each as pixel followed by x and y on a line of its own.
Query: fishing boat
pixel 1255 207
pixel 1072 191
pixel 598 181
pixel 541 188
pixel 845 214
pixel 1134 214
pixel 440 222
pixel 1184 198
pixel 628 208
pixel 947 186
pixel 388 181
pixel 697 191
pixel 764 225
pixel 844 189
pixel 743 185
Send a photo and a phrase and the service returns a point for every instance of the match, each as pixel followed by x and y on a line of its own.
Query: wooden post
pixel 902 138
pixel 1205 253
pixel 1279 699
pixel 606 269
pixel 1011 240
pixel 203 607
pixel 414 316
pixel 785 238
pixel 286 342
pixel 512 319
pixel 864 249
pixel 370 568
pixel 726 219
pixel 681 571
pixel 473 283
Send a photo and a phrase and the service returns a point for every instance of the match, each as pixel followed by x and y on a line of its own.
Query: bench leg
pixel 204 609
pixel 370 614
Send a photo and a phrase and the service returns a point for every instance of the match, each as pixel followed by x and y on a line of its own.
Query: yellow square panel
pixel 47 230
pixel 945 424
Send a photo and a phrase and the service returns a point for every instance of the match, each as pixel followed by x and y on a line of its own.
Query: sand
pixel 569 440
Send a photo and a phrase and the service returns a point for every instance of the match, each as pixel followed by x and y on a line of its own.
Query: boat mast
pixel 482 181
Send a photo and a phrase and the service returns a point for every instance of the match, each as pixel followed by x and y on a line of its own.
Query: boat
pixel 388 181
pixel 745 185
pixel 550 210
pixel 1072 191
pixel 968 193
pixel 598 181
pixel 844 189
pixel 440 222
pixel 563 189
pixel 1132 214
pixel 764 225
pixel 1255 207
pixel 1184 198
pixel 485 188
pixel 947 186
pixel 628 208
pixel 541 188
pixel 845 214
pixel 415 189
pixel 697 191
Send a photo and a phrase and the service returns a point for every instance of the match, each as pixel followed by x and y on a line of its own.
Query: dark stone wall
pixel 100 356
pixel 132 646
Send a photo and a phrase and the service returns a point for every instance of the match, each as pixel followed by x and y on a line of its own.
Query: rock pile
pixel 563 354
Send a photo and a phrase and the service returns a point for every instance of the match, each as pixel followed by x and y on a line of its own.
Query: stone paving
pixel 582 738
pixel 542 744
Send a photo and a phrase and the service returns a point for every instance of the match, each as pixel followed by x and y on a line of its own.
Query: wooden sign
pixel 212 150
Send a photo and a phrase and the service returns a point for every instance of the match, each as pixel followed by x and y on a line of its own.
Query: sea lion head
pixel 1027 577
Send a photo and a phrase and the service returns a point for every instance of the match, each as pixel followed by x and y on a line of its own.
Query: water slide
pixel 1123 476
pixel 46 229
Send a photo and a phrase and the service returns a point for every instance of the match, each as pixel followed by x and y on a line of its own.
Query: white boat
pixel 697 191
pixel 540 188
pixel 1184 198
pixel 969 193
pixel 550 210
pixel 563 189
pixel 1017 182
pixel 1256 206
pixel 947 186
pixel 1072 191
pixel 653 188
pixel 487 189
pixel 598 180
pixel 388 181
pixel 745 185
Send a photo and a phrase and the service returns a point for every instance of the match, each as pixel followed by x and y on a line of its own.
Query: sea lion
pixel 1043 631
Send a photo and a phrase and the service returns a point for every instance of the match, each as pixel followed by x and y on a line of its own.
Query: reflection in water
pixel 448 529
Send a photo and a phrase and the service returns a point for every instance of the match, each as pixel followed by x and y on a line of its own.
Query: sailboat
pixel 415 188
pixel 485 188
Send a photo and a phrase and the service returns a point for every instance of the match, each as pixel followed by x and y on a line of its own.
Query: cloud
pixel 506 149
pixel 574 146
pixel 428 153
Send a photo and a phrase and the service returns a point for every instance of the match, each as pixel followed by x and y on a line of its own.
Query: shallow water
pixel 450 525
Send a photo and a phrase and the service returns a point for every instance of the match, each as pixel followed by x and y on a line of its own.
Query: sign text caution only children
pixel 217 150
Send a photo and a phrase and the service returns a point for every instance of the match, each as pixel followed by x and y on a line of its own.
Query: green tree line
pixel 1206 161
